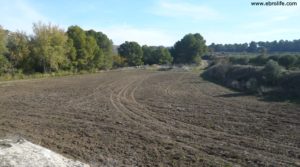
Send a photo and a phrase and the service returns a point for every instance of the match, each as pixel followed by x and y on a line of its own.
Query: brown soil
pixel 144 118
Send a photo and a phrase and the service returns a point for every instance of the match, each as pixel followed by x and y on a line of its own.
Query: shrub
pixel 290 84
pixel 243 77
pixel 272 72
pixel 240 77
pixel 287 61
pixel 259 60
pixel 118 61
pixel 217 72
pixel 4 65
pixel 272 78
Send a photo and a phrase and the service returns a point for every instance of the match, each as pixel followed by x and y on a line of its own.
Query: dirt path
pixel 144 118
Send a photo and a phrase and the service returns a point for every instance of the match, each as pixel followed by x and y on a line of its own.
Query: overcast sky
pixel 159 22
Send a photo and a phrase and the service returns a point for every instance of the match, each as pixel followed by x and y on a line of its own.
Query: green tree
pixel 78 37
pixel 252 47
pixel 148 55
pixel 189 49
pixel 71 55
pixel 18 49
pixel 92 49
pixel 106 45
pixel 156 55
pixel 4 63
pixel 118 61
pixel 133 53
pixel 49 46
pixel 164 55
pixel 3 40
pixel 272 72
pixel 95 57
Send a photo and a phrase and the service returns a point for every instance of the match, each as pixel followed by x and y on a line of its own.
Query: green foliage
pixel 71 54
pixel 49 47
pixel 272 71
pixel 78 37
pixel 290 62
pixel 189 49
pixel 156 55
pixel 18 49
pixel 268 80
pixel 4 65
pixel 3 41
pixel 94 55
pixel 106 46
pixel 164 55
pixel 252 47
pixel 228 47
pixel 149 56
pixel 262 47
pixel 133 53
pixel 241 77
pixel 259 60
pixel 119 61
pixel 93 49
pixel 287 61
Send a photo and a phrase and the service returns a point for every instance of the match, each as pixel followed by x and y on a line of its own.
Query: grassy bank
pixel 21 76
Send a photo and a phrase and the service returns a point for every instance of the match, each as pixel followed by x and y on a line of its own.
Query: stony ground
pixel 21 153
pixel 150 118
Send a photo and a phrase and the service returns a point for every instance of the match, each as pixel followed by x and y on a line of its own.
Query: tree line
pixel 188 50
pixel 51 49
pixel 274 46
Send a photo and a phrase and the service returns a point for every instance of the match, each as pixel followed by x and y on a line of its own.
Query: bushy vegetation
pixel 290 84
pixel 50 49
pixel 259 60
pixel 189 49
pixel 89 49
pixel 132 52
pixel 289 62
pixel 263 79
pixel 272 72
pixel 156 55
pixel 244 78
pixel 4 65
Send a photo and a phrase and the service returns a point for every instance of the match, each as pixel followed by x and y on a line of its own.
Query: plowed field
pixel 150 118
